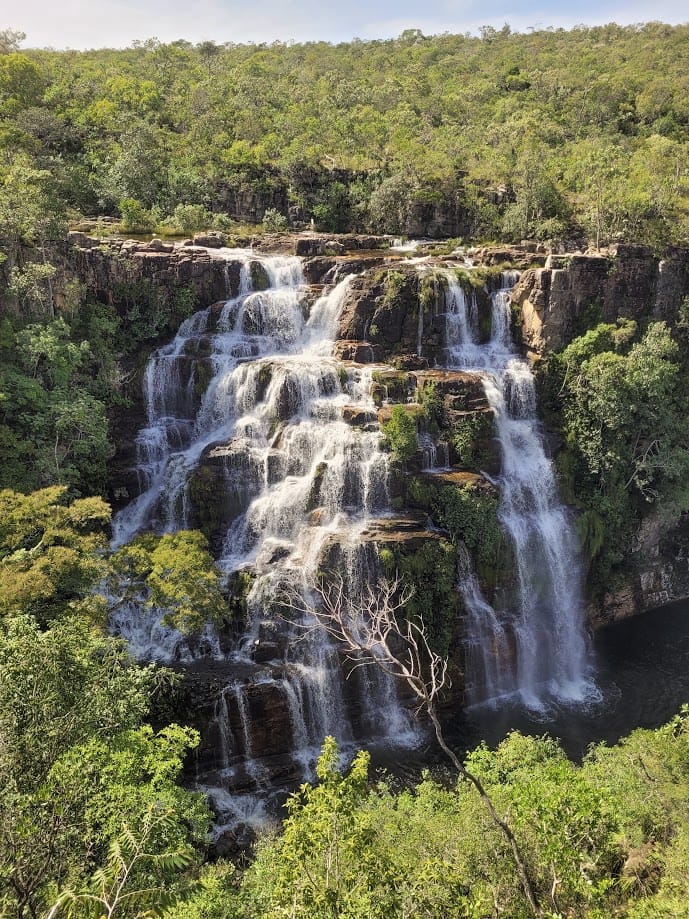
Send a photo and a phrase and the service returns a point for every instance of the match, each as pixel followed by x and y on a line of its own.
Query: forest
pixel 550 134
pixel 572 138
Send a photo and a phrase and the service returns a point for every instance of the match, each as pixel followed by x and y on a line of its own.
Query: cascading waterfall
pixel 538 650
pixel 302 481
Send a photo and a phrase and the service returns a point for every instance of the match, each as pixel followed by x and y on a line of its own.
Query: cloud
pixel 116 23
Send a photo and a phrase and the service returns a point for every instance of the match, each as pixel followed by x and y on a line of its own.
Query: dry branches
pixel 370 630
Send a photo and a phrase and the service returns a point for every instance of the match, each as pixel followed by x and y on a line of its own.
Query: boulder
pixel 210 240
pixel 360 352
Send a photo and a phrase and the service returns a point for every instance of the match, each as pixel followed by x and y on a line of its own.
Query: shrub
pixel 274 221
pixel 135 217
pixel 400 434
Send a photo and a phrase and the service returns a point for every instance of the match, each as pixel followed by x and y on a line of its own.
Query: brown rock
pixel 356 416
pixel 360 352
pixel 210 240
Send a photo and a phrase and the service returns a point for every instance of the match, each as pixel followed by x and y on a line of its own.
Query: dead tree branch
pixel 370 632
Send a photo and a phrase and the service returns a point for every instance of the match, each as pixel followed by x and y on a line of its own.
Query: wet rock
pixel 360 352
pixel 259 276
pixel 318 269
pixel 398 384
pixel 221 488
pixel 410 362
pixel 357 416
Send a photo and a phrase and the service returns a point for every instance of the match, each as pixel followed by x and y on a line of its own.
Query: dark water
pixel 642 672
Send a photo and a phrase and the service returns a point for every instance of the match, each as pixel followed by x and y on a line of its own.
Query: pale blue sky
pixel 116 23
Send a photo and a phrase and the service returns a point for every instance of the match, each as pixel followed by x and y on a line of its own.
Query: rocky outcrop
pixel 572 292
pixel 385 310
pixel 657 572
pixel 114 272
pixel 528 255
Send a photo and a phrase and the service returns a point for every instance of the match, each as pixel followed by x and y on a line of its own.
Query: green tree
pixel 175 573
pixel 400 433
pixel 21 83
pixel 49 552
pixel 327 862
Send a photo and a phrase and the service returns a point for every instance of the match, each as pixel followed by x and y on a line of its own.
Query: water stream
pixel 536 649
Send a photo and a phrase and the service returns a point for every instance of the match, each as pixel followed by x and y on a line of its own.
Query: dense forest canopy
pixel 550 133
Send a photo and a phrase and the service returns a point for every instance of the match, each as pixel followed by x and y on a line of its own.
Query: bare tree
pixel 370 632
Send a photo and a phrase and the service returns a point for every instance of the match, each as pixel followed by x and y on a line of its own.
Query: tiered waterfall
pixel 302 484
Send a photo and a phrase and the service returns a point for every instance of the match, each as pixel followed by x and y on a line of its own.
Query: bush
pixel 135 217
pixel 400 434
pixel 274 221
pixel 190 217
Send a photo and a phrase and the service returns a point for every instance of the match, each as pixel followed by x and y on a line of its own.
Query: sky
pixel 116 23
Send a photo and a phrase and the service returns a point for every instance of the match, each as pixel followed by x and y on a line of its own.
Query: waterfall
pixel 538 649
pixel 302 481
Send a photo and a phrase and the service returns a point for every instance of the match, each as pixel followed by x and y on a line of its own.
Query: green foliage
pixel 603 838
pixel 135 217
pixel 592 131
pixel 625 422
pixel 190 217
pixel 434 285
pixel 274 221
pixel 471 438
pixel 400 434
pixel 53 427
pixel 136 878
pixel 469 513
pixel 433 407
pixel 394 284
pixel 431 571
pixel 390 204
pixel 57 689
pixel 326 862
pixel 151 310
pixel 175 573
pixel 48 552
pixel 214 897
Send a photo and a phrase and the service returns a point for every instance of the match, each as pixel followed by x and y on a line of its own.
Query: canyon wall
pixel 392 316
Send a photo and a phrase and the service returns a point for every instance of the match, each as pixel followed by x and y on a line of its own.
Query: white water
pixel 304 483
pixel 538 649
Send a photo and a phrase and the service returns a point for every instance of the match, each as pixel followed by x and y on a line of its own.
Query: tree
pixel 49 553
pixel 175 573
pixel 21 83
pixel 122 887
pixel 10 40
pixel 370 633
pixel 329 860
pixel 57 688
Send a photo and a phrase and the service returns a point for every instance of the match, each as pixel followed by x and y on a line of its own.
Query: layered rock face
pixel 392 316
pixel 430 514
pixel 558 300
pixel 557 303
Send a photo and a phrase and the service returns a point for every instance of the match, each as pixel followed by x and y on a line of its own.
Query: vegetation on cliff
pixel 619 395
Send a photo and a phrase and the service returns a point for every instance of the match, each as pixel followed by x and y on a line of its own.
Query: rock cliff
pixel 393 315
